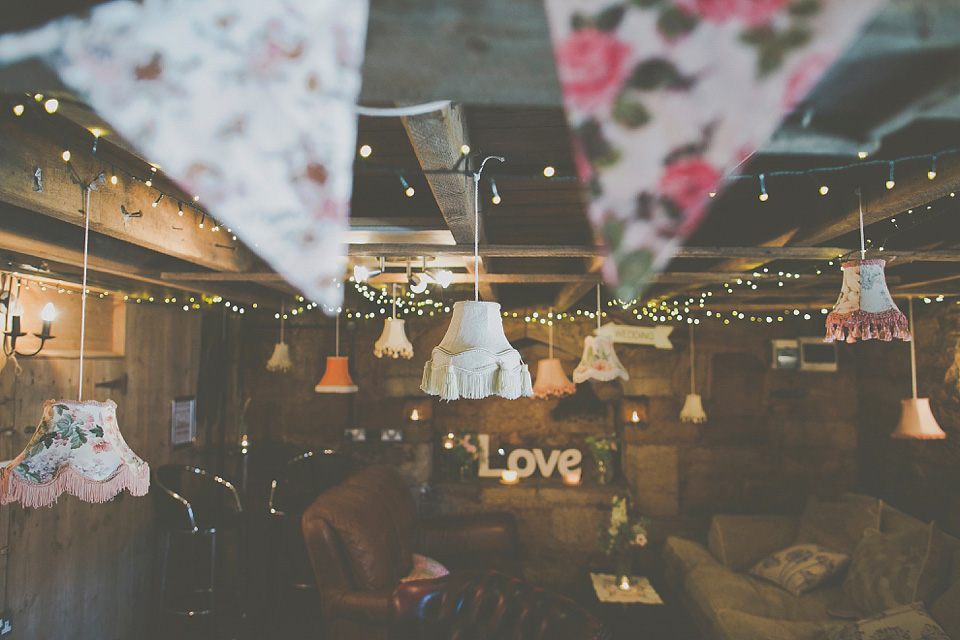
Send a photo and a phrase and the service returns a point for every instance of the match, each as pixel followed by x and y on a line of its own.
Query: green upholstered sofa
pixel 727 603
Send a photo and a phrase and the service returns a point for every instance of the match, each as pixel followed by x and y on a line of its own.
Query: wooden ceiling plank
pixel 486 250
pixel 158 228
pixel 437 138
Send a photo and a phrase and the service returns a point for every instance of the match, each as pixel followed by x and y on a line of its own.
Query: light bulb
pixel 418 284
pixel 548 171
pixel 464 149
pixel 365 151
pixel 824 190
pixel 764 197
pixel 65 155
pixel 149 183
pixel 51 105
pixel 861 154
pixel 415 415
pixel 495 199
pixel 48 313
pixel 890 184
pixel 931 174
pixel 360 273
pixel 444 277
pixel 713 194
pixel 18 110
pixel 410 191
pixel 113 179
pixel 96 133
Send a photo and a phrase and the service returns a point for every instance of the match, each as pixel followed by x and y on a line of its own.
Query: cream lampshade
pixel 280 359
pixel 916 418
pixel 393 341
pixel 551 382
pixel 865 310
pixel 693 406
pixel 76 448
pixel 475 360
pixel 599 360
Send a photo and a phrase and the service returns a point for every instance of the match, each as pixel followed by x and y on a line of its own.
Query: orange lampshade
pixel 336 379
pixel 917 421
pixel 552 382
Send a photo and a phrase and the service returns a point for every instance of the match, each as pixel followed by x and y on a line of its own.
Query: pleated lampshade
pixel 865 309
pixel 393 341
pixel 77 448
pixel 599 361
pixel 336 378
pixel 475 360
pixel 917 421
pixel 552 382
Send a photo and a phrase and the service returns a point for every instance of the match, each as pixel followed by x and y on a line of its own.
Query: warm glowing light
pixel 113 179
pixel 713 194
pixel 890 184
pixel 931 175
pixel 448 445
pixel 51 105
pixel 635 417
pixel 444 278
pixel 196 198
pixel 149 183
pixel 764 197
pixel 414 415
pixel 38 97
pixel 410 191
pixel 862 154
pixel 365 151
pixel 464 149
pixel 496 199
pixel 360 273
pixel 65 155
pixel 96 133
pixel 18 110
pixel 549 171
pixel 509 476
pixel 824 190
pixel 624 583
pixel 572 478
pixel 48 313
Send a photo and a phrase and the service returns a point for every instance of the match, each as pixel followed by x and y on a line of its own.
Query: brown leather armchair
pixel 362 534
pixel 486 605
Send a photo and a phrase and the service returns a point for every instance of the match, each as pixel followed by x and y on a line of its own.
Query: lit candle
pixel 47 315
pixel 415 415
pixel 509 476
pixel 635 417
pixel 572 478
pixel 625 583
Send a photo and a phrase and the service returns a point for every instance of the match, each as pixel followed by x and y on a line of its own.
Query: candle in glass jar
pixel 509 476
pixel 572 478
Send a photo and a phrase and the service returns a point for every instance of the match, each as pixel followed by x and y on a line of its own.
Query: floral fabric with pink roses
pixel 664 96
pixel 249 105
pixel 425 568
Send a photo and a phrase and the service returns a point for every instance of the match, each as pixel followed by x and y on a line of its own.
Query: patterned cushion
pixel 425 568
pixel 801 567
pixel 838 526
pixel 890 569
pixel 909 622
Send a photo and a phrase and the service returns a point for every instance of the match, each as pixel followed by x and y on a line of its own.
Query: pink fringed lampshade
pixel 865 309
pixel 76 448
pixel 336 378
pixel 552 382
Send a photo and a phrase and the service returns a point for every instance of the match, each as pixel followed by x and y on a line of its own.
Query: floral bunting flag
pixel 664 96
pixel 249 105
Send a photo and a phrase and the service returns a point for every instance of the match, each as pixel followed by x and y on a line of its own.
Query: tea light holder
pixel 509 476
pixel 572 478
pixel 624 583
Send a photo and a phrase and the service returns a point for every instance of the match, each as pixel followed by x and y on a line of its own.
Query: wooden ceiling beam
pixel 158 228
pixel 437 138
pixel 414 250
pixel 570 293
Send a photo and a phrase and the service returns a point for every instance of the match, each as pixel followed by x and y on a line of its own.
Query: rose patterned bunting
pixel 663 96
pixel 249 105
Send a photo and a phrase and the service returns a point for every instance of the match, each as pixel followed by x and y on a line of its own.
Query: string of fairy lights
pixel 376 302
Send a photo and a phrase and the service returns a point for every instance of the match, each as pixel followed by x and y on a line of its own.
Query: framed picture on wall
pixel 183 421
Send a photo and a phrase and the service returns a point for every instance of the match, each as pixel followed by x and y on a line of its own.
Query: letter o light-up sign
pixel 525 462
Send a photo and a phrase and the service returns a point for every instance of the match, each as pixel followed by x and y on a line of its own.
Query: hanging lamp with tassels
pixel 599 360
pixel 393 341
pixel 475 360
pixel 693 406
pixel 916 418
pixel 280 360
pixel 77 447
pixel 865 309
pixel 552 382
pixel 336 377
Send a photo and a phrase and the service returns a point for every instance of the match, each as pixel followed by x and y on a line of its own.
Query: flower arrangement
pixel 623 531
pixel 602 448
pixel 465 448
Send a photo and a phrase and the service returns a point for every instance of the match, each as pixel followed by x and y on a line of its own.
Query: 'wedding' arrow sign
pixel 656 336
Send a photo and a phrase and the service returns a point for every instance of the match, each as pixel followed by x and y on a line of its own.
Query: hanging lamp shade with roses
pixel 865 310
pixel 77 448
pixel 599 361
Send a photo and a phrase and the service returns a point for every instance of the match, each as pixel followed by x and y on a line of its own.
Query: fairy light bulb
pixel 824 190
pixel 365 151
pixel 113 179
pixel 932 174
pixel 890 183
pixel 464 149
pixel 410 191
pixel 862 154
pixel 763 190
pixel 149 183
pixel 712 194
pixel 65 155
pixel 51 105
pixel 496 194
pixel 549 171
pixel 179 209
pixel 18 109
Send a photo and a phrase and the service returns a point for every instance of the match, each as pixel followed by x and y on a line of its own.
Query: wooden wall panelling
pixel 79 570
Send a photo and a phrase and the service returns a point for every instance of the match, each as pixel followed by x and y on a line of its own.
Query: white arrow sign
pixel 656 336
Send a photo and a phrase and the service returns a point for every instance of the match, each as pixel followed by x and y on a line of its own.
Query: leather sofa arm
pixel 370 607
pixel 447 537
pixel 740 541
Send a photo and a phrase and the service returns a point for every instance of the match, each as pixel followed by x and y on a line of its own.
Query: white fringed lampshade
pixel 393 341
pixel 693 409
pixel 917 421
pixel 552 382
pixel 280 360
pixel 475 360
pixel 336 378
pixel 599 361
pixel 76 448
pixel 865 309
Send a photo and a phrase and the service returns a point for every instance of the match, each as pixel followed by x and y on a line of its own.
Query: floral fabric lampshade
pixel 475 360
pixel 865 310
pixel 76 448
pixel 599 361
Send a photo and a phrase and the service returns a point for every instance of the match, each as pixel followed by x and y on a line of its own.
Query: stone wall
pixel 920 477
pixel 772 436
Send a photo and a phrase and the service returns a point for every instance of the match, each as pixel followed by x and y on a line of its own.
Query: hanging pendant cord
pixel 476 227
pixel 550 327
pixel 394 301
pixel 863 247
pixel 693 388
pixel 336 349
pixel 83 289
pixel 281 321
pixel 913 348
pixel 598 308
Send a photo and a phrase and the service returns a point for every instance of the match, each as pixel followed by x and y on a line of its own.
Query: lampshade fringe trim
pixel 863 325
pixel 554 391
pixel 280 360
pixel 15 488
pixel 452 382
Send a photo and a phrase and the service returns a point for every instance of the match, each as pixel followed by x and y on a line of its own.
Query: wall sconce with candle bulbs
pixel 13 312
